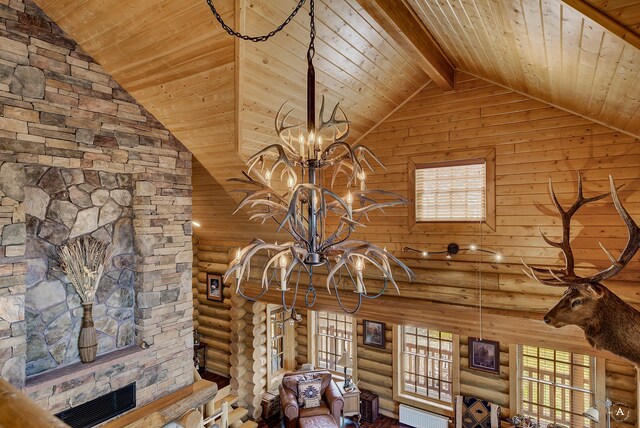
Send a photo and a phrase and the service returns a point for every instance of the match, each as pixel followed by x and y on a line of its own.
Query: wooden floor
pixel 221 381
pixel 381 422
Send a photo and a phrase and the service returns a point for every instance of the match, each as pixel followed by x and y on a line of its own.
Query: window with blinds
pixel 451 193
pixel 555 386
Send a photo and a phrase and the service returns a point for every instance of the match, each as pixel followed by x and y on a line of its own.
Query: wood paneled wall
pixel 533 142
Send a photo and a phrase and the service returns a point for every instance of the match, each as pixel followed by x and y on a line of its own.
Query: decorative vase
pixel 88 340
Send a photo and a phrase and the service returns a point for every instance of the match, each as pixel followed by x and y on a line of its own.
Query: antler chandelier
pixel 284 182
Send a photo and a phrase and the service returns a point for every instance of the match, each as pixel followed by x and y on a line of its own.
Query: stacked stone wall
pixel 79 156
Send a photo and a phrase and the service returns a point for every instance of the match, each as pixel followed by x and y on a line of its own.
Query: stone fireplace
pixel 79 156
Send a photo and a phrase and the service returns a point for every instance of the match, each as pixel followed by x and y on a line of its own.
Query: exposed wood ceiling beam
pixel 605 21
pixel 399 20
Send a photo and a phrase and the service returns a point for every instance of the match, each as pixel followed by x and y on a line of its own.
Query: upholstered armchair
pixel 331 403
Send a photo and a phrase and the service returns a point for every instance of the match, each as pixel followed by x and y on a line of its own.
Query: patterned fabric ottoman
pixel 322 421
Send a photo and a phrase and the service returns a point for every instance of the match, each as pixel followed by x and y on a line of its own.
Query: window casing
pixel 555 386
pixel 333 333
pixel 280 345
pixel 426 368
pixel 452 188
pixel 276 340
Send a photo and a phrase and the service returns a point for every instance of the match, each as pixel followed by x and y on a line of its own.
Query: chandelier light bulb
pixel 472 247
pixel 498 257
pixel 319 143
pixel 425 253
pixel 283 261
pixel 362 176
pixel 312 137
pixel 291 182
pixel 448 255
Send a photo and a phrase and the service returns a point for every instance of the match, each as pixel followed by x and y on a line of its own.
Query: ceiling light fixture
pixel 297 163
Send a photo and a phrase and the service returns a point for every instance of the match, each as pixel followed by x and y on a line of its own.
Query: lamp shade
pixel 345 360
pixel 592 414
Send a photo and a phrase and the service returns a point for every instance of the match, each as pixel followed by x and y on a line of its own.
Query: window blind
pixel 555 386
pixel 451 193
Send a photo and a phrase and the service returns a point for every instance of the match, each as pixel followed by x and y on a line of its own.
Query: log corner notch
pixel 402 23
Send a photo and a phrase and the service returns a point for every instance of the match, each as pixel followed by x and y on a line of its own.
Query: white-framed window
pixel 451 193
pixel 555 386
pixel 427 367
pixel 280 344
pixel 332 335
pixel 452 187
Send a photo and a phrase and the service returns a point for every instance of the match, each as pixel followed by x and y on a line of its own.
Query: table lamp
pixel 346 362
pixel 593 413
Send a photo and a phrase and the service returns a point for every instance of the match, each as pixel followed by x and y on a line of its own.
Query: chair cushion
pixel 309 392
pixel 322 421
pixel 320 410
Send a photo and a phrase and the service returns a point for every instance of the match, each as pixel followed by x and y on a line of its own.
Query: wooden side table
pixel 351 401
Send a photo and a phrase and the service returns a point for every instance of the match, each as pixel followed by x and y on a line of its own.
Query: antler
pixel 333 122
pixel 567 275
pixel 284 131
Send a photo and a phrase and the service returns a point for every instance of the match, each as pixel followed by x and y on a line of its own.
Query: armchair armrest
pixel 288 403
pixel 334 399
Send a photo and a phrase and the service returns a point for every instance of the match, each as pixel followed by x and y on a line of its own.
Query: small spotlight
pixel 472 247
pixel 498 257
pixel 195 223
pixel 448 255
pixel 425 254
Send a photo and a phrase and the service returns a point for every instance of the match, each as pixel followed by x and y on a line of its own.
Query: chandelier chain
pixel 256 39
pixel 312 32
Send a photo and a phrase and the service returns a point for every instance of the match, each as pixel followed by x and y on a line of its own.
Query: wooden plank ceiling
pixel 543 48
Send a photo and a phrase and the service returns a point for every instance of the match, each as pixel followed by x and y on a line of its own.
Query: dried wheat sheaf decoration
pixel 83 261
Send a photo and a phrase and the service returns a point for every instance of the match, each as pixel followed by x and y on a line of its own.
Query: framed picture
pixel 214 287
pixel 484 355
pixel 374 333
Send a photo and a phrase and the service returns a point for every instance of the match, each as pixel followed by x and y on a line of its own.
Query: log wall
pixel 212 318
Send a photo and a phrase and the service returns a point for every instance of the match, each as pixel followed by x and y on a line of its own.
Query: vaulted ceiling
pixel 219 96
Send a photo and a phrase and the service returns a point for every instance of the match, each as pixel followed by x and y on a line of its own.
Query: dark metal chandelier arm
pixel 263 38
pixel 295 295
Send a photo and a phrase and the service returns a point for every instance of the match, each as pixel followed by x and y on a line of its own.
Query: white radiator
pixel 421 419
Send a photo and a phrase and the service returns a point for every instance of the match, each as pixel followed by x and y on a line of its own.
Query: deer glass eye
pixel 576 302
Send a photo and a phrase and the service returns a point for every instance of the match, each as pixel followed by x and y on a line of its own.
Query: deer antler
pixel 333 122
pixel 283 130
pixel 567 275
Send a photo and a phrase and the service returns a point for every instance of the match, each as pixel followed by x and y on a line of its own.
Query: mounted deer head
pixel 608 322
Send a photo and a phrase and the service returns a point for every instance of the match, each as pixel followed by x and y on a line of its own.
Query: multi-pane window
pixel 276 340
pixel 427 364
pixel 555 386
pixel 333 335
pixel 451 193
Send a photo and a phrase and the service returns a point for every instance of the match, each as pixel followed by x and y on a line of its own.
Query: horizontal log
pixel 375 379
pixel 207 333
pixel 213 257
pixel 375 355
pixel 374 367
pixel 499 398
pixel 492 383
pixel 213 322
pixel 622 382
pixel 215 311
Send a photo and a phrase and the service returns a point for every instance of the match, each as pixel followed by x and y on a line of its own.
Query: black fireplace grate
pixel 100 409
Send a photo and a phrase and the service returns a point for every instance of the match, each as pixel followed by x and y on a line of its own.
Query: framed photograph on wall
pixel 214 287
pixel 373 333
pixel 484 355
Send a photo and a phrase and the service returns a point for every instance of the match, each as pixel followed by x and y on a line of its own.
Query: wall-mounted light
pixel 453 249
pixel 195 223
